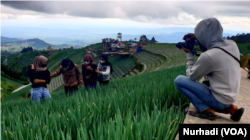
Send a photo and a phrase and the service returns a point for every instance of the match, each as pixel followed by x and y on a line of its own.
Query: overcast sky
pixel 233 15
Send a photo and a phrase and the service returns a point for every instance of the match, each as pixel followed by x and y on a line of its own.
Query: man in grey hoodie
pixel 221 69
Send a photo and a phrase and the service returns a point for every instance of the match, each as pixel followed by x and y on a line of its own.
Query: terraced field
pixel 151 60
pixel 175 56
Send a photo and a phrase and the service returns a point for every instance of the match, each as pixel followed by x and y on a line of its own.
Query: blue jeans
pixel 198 94
pixel 39 93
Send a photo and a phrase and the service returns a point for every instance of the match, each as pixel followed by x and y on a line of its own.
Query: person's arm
pixel 58 72
pixel 107 72
pixel 39 81
pixel 98 66
pixel 202 67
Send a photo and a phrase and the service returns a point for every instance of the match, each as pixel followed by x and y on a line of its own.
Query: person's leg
pixel 94 84
pixel 35 94
pixel 66 90
pixel 106 83
pixel 45 93
pixel 101 83
pixel 75 88
pixel 86 85
pixel 198 94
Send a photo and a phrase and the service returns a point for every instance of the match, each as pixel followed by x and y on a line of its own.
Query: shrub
pixel 248 46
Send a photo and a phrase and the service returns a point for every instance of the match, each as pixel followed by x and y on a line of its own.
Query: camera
pixel 188 44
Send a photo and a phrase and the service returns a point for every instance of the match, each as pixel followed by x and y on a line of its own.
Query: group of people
pixel 72 76
pixel 219 65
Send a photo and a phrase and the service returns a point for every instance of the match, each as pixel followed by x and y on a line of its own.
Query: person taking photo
pixel 219 63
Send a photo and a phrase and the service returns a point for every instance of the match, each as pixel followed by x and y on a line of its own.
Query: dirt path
pixel 243 101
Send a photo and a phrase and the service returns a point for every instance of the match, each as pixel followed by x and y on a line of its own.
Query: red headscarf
pixel 89 58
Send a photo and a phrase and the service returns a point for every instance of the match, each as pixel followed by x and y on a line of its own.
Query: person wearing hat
pixel 71 76
pixel 39 77
pixel 89 73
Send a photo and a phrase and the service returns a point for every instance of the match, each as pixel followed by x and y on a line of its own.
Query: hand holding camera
pixel 188 45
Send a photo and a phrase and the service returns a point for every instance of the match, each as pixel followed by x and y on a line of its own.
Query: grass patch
pixel 3 79
pixel 19 95
pixel 7 89
pixel 243 48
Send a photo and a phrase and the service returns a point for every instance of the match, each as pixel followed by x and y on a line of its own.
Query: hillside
pixel 8 39
pixel 35 43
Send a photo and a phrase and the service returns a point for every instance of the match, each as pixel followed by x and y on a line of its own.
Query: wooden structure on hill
pixel 144 40
pixel 152 40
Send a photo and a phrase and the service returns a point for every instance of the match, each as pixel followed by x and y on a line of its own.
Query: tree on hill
pixel 240 38
pixel 248 46
pixel 28 49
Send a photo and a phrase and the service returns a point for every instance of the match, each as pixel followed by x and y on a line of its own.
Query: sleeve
pixel 107 72
pixel 58 72
pixel 202 67
pixel 98 66
pixel 48 78
pixel 79 75
pixel 32 75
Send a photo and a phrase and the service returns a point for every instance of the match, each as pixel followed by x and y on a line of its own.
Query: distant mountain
pixel 35 43
pixel 8 39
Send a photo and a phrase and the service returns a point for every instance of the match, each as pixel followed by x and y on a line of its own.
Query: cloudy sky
pixel 233 15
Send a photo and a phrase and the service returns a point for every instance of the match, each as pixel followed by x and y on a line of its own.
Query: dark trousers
pixel 104 83
pixel 70 90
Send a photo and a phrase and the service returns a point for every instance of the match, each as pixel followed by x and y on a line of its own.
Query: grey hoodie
pixel 221 69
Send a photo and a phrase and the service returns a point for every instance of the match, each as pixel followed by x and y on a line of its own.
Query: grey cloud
pixel 148 10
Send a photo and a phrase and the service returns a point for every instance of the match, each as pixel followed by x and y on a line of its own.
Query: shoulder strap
pixel 228 53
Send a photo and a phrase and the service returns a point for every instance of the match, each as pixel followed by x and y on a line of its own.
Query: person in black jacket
pixel 39 77
pixel 89 72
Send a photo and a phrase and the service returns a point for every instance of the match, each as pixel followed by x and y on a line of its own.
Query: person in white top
pixel 104 70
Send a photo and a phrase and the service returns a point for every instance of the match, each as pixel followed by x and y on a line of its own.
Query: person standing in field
pixel 89 72
pixel 219 64
pixel 72 77
pixel 104 69
pixel 39 77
